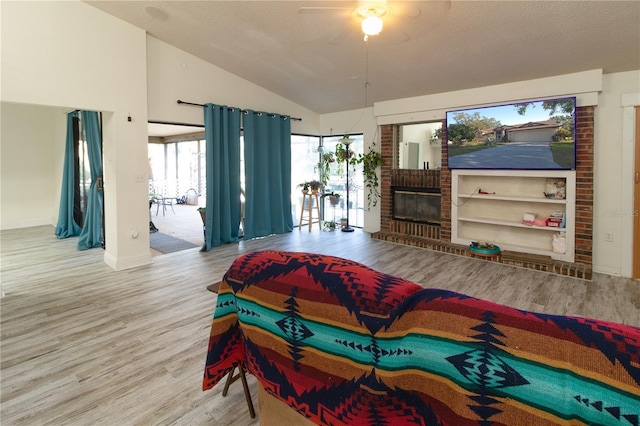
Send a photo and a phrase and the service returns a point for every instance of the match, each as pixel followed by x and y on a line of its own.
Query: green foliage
pixel 324 167
pixel 310 184
pixel 469 127
pixel 564 106
pixel 563 153
pixel 457 133
pixel 370 162
pixel 330 225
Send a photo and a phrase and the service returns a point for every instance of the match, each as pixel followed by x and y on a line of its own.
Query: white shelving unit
pixel 497 216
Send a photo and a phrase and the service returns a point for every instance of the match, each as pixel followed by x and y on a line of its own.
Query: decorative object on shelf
pixel 484 248
pixel 555 220
pixel 559 243
pixel 556 189
pixel 480 191
pixel 540 221
pixel 529 219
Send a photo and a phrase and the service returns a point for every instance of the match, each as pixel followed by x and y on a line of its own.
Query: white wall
pixel 174 74
pixel 69 54
pixel 33 139
pixel 613 172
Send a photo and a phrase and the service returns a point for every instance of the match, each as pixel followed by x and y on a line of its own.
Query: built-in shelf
pixel 509 223
pixel 519 199
pixel 497 215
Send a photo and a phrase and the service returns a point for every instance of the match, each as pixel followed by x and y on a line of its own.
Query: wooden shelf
pixel 514 198
pixel 509 223
pixel 497 216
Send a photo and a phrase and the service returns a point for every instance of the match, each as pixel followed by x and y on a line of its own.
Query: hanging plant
pixel 342 155
pixel 370 162
pixel 324 167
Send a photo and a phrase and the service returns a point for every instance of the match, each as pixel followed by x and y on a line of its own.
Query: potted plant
pixel 334 197
pixel 330 225
pixel 343 222
pixel 314 185
pixel 304 186
pixel 203 213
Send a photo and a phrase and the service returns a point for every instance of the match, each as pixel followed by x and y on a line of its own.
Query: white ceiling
pixel 317 57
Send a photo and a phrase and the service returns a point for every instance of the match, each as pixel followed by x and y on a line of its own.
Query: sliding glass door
pixel 304 167
pixel 306 152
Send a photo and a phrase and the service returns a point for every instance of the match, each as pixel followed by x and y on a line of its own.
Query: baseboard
pixel 607 270
pixel 120 264
pixel 30 223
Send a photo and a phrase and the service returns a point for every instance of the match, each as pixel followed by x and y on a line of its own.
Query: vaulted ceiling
pixel 313 52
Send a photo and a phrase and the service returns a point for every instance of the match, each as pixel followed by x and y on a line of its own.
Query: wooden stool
pixel 247 395
pixel 310 209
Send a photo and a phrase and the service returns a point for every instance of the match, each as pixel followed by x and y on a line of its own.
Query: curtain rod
pixel 243 110
pixel 175 123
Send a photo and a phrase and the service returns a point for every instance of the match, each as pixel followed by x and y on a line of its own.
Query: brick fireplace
pixel 430 235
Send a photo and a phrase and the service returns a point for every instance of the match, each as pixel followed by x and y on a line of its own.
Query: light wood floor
pixel 82 344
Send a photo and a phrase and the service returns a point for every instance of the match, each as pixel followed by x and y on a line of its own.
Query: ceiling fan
pixel 371 17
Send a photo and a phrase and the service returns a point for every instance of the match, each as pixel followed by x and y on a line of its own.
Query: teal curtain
pixel 91 234
pixel 67 226
pixel 222 134
pixel 267 153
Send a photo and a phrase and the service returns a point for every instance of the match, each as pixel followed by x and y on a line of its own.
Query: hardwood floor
pixel 82 344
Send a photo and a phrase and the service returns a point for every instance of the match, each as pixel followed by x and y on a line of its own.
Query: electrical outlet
pixel 608 236
pixel 140 178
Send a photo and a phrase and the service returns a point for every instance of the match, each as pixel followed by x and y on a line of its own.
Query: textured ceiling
pixel 313 53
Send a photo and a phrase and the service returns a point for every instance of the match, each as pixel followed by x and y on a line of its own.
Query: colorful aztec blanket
pixel 346 345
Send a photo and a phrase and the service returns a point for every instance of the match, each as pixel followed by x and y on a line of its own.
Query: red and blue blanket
pixel 344 344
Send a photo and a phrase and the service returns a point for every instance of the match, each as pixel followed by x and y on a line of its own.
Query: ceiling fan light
pixel 371 25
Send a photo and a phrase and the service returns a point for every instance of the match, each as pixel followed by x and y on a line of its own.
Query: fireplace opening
pixel 417 205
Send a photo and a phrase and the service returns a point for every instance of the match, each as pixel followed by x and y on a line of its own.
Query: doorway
pixel 306 163
pixel 177 186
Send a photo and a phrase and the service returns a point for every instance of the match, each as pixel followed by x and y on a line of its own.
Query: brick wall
pixel 584 185
pixel 584 189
